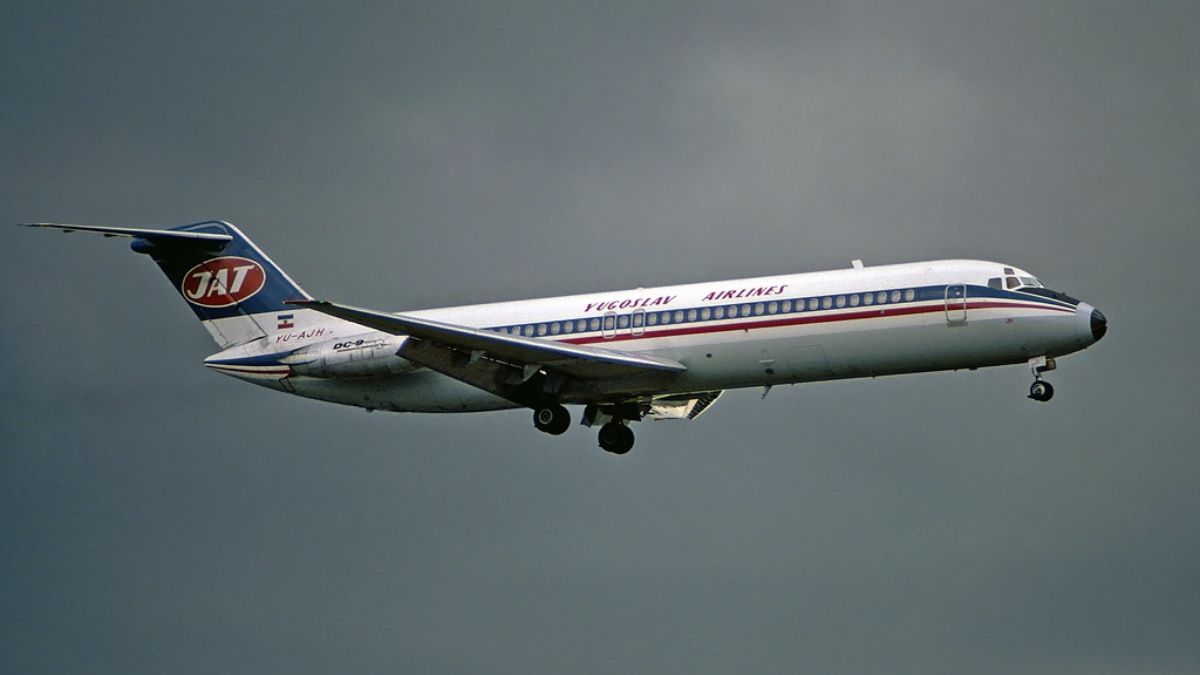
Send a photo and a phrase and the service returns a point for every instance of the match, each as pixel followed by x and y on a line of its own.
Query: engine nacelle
pixel 366 355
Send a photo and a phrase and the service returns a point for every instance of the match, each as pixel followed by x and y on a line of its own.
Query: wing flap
pixel 569 359
pixel 682 406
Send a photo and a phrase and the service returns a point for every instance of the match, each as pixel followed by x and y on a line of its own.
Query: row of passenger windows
pixel 639 319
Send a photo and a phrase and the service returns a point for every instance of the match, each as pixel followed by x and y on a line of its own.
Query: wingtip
pixel 60 226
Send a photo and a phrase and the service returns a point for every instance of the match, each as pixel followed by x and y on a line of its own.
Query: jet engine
pixel 367 355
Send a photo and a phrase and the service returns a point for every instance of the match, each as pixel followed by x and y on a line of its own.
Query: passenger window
pixel 595 324
pixel 812 304
pixel 868 298
pixel 623 321
pixel 610 322
pixel 581 325
pixel 541 329
pixel 841 301
pixel 719 313
pixel 827 302
pixel 679 316
pixel 652 319
pixel 555 328
pixel 705 314
pixel 666 318
pixel 881 297
pixel 772 307
pixel 745 310
pixel 758 309
pixel 787 306
pixel 854 300
pixel 527 330
pixel 910 295
pixel 895 296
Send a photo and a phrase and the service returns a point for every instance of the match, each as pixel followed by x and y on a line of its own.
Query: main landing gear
pixel 552 419
pixel 615 435
pixel 1041 390
pixel 616 438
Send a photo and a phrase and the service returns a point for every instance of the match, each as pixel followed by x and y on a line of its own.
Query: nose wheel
pixel 1041 390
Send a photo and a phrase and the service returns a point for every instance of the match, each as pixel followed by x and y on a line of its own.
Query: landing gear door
pixel 956 304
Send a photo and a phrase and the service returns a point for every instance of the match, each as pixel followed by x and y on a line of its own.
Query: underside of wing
pixel 521 369
pixel 681 406
pixel 575 360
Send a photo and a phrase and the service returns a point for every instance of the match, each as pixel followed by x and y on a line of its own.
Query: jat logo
pixel 222 282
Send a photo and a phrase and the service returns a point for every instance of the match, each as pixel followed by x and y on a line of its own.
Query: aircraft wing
pixel 528 353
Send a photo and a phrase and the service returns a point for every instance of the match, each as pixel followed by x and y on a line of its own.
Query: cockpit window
pixel 1047 293
pixel 1030 281
pixel 1011 282
pixel 995 283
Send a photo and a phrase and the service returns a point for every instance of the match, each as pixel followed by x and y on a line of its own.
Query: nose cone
pixel 1099 325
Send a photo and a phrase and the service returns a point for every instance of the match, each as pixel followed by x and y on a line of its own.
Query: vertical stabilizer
pixel 235 289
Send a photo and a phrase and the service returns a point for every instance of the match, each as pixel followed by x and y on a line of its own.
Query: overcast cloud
pixel 158 517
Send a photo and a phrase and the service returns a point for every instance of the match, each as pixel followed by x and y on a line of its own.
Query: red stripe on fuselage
pixel 802 319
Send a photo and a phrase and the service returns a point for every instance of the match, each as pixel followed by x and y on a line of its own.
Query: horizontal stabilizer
pixel 176 236
pixel 231 285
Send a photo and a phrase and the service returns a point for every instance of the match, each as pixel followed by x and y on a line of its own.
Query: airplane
pixel 625 356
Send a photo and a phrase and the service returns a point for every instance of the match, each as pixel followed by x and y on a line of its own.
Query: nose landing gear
pixel 1041 390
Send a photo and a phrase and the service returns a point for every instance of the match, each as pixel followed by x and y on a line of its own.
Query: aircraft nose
pixel 1099 325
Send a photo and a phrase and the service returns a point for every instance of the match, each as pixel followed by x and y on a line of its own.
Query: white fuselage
pixel 848 323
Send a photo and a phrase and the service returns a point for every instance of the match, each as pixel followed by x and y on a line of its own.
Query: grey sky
pixel 155 516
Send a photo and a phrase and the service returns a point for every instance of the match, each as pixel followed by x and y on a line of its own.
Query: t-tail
pixel 236 290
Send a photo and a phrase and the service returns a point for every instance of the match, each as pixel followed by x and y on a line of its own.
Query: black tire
pixel 616 438
pixel 552 419
pixel 1041 391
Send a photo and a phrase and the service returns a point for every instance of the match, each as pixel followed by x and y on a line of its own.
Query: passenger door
pixel 956 304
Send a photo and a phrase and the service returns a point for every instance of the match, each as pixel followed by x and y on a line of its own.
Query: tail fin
pixel 237 292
